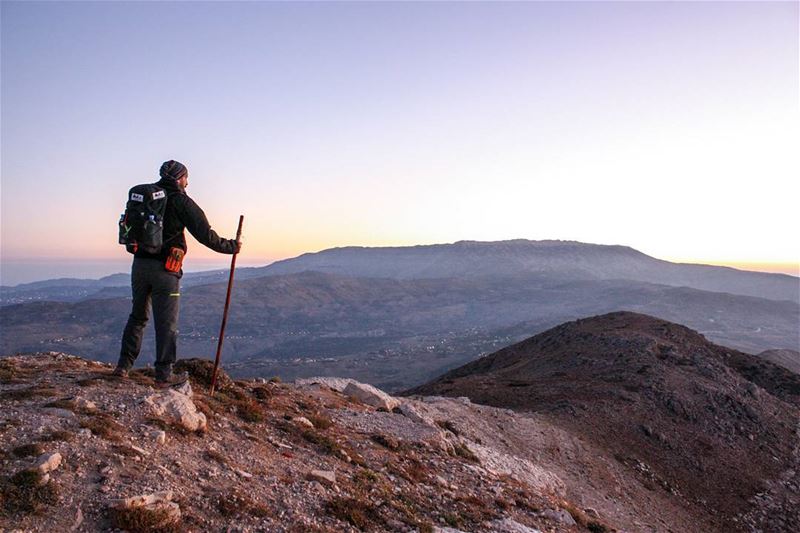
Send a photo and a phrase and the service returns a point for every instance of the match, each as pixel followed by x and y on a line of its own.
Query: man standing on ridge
pixel 155 277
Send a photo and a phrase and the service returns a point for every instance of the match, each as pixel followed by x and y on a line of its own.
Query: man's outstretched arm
pixel 196 222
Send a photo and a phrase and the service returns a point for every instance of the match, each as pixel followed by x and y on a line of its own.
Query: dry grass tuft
pixel 143 376
pixel 24 493
pixel 366 477
pixel 62 403
pixel 9 372
pixel 144 520
pixel 417 471
pixel 412 471
pixel 69 403
pixel 386 441
pixel 262 393
pixel 449 426
pixel 582 519
pixel 453 520
pixel 235 503
pixel 96 378
pixel 503 504
pixel 28 450
pixel 475 509
pixel 462 451
pixel 58 435
pixel 204 408
pixel 320 420
pixel 125 450
pixel 324 442
pixel 104 425
pixel 249 410
pixel 214 455
pixel 577 514
pixel 28 393
pixel 201 372
pixel 356 512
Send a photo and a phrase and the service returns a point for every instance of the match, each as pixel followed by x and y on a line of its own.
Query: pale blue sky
pixel 669 127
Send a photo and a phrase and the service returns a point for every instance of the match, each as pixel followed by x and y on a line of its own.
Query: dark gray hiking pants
pixel 151 284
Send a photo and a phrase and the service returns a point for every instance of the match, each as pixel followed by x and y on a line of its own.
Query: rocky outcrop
pixel 370 395
pixel 177 408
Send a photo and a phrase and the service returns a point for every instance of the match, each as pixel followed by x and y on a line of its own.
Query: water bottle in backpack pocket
pixel 141 226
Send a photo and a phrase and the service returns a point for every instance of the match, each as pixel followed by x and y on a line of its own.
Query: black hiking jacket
pixel 182 212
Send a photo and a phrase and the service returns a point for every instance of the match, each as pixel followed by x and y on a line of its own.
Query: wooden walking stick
pixel 225 313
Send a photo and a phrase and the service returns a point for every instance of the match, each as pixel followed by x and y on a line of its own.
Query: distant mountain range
pixel 711 431
pixel 397 317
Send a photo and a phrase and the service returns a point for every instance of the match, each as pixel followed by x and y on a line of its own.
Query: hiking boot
pixel 120 372
pixel 172 381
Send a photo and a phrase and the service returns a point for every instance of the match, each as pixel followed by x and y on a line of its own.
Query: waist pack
pixel 141 226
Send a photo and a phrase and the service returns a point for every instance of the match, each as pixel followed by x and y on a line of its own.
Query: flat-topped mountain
pixel 712 429
pixel 551 259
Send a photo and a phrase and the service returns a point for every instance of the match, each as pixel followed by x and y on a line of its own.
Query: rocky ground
pixel 83 451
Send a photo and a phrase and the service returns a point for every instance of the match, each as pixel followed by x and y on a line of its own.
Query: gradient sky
pixel 669 127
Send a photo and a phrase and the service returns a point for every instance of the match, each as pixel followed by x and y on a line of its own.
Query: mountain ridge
pixel 657 393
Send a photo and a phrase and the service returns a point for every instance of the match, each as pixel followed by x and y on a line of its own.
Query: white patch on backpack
pixel 136 197
pixel 158 194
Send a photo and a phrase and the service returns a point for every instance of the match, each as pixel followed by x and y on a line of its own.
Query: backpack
pixel 141 226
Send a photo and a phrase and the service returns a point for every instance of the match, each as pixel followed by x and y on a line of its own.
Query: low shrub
pixel 24 492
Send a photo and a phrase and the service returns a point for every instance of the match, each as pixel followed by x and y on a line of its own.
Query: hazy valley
pixel 397 317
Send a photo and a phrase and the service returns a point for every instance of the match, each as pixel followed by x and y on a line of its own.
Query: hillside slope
pixel 709 428
pixel 82 451
pixel 786 358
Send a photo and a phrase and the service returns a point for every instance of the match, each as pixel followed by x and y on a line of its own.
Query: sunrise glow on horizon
pixel 671 128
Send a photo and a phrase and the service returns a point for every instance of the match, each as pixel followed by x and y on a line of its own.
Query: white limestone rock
pixel 370 395
pixel 413 414
pixel 47 462
pixel 337 384
pixel 177 408
pixel 326 477
pixel 507 525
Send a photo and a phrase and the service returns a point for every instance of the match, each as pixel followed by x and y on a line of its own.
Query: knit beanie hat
pixel 172 170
